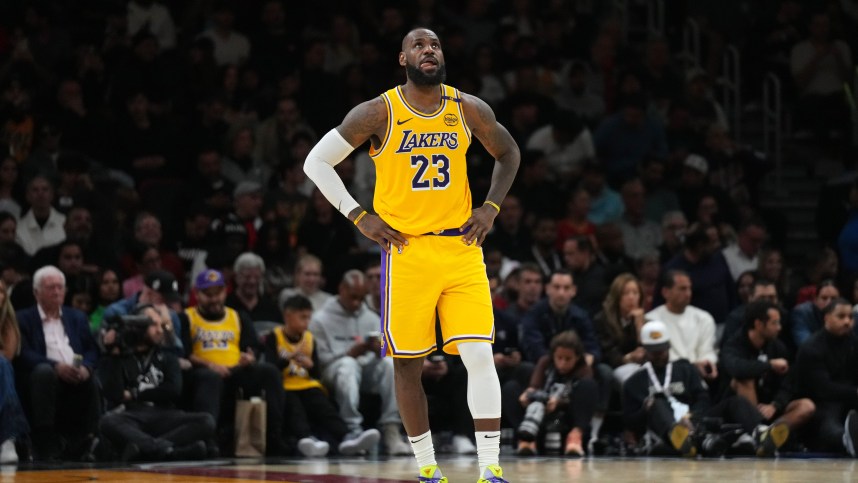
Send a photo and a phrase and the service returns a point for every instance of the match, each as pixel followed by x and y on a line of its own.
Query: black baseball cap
pixel 164 283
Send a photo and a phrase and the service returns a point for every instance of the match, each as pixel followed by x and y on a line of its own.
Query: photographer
pixel 142 384
pixel 159 289
pixel 562 388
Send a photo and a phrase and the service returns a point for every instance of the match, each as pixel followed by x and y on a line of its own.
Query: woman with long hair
pixel 618 325
pixel 108 289
pixel 12 422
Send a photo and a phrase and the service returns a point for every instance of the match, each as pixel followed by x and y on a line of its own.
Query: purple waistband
pixel 448 232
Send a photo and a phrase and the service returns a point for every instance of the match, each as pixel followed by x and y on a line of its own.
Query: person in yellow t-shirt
pixel 293 350
pixel 222 345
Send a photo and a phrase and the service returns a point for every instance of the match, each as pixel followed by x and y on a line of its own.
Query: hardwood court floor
pixel 458 470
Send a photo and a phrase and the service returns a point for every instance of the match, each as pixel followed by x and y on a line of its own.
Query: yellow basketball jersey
pixel 421 173
pixel 216 341
pixel 295 377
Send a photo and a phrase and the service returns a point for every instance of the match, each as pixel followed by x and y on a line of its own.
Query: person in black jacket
pixel 554 314
pixel 142 385
pixel 757 363
pixel 825 370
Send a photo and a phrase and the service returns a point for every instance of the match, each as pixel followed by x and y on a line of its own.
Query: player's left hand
pixel 478 225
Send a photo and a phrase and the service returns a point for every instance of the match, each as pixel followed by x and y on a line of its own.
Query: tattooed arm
pixel 500 144
pixel 366 121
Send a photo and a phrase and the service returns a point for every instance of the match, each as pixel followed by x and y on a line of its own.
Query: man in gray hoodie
pixel 348 347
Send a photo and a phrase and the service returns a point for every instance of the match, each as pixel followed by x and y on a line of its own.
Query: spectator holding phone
pixel 348 348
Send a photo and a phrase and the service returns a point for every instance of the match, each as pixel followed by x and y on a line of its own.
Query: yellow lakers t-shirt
pixel 215 341
pixel 421 172
pixel 295 377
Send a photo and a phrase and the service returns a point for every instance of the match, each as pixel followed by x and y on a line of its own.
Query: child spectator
pixel 291 348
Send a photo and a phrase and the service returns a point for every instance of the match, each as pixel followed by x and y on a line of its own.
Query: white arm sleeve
pixel 319 166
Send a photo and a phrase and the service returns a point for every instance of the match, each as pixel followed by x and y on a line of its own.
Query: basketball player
pixel 429 233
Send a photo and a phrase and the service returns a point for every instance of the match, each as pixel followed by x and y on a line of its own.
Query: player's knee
pixel 477 356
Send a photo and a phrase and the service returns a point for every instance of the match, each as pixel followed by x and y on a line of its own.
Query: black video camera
pixel 130 330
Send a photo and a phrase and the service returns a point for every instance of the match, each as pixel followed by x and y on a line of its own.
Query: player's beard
pixel 418 77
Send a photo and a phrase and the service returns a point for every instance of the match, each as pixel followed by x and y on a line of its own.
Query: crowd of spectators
pixel 151 167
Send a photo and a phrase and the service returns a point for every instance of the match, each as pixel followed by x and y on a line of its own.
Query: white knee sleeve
pixel 484 394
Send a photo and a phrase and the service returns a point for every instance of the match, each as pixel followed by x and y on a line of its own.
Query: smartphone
pixel 436 359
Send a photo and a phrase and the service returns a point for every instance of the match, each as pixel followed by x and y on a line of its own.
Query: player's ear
pixel 402 59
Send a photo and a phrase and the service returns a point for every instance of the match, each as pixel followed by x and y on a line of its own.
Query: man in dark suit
pixel 58 357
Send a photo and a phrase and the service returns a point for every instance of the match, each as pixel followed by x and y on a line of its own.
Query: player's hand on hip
pixel 374 228
pixel 478 225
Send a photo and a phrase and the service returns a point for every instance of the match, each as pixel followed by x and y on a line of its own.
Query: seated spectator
pixel 618 326
pixel 704 110
pixel 537 192
pixel 590 275
pixel 578 97
pixel 744 286
pixel 807 317
pixel 13 424
pixel 242 224
pixel 42 225
pixel 761 290
pixel 640 235
pixel 692 330
pixel 742 256
pixel 8 185
pixel 668 401
pixel 757 363
pixel 542 251
pixel 239 163
pixel 673 228
pixel 825 372
pixel 820 66
pixel 576 223
pixel 307 406
pixel 329 236
pixel 222 346
pixel 509 233
pixel 107 291
pixel 566 143
pixel 142 384
pixel 624 139
pixel 562 391
pixel 348 345
pixel 159 290
pixel 445 383
pixel 230 46
pixel 249 271
pixel 149 231
pixel 660 198
pixel 605 204
pixel 554 314
pixel 701 259
pixel 648 270
pixel 58 357
pixel 308 282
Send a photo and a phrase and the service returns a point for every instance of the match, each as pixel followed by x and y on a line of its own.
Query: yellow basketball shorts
pixel 434 273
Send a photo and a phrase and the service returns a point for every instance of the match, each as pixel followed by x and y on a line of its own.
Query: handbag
pixel 250 424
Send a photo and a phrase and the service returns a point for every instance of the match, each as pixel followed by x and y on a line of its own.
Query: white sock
pixel 595 426
pixel 488 449
pixel 424 450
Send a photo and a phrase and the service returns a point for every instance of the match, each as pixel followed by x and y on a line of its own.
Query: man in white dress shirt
pixel 57 360
pixel 692 330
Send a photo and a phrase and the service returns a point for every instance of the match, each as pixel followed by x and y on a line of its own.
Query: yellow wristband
pixel 361 215
pixel 492 204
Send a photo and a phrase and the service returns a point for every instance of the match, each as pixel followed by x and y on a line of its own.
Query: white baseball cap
pixel 654 336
